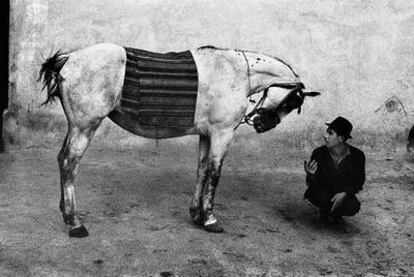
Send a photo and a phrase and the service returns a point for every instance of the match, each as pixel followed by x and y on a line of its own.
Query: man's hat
pixel 341 126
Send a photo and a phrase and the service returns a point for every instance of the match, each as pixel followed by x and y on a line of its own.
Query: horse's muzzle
pixel 265 120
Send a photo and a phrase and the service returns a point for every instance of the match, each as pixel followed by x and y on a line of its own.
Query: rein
pixel 247 118
pixel 248 71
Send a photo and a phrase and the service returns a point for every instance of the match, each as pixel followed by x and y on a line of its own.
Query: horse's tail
pixel 50 73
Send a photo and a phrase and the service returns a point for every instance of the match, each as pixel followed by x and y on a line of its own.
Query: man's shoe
pixel 323 216
pixel 338 220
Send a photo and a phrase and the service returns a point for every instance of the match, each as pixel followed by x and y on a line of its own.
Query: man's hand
pixel 337 200
pixel 310 167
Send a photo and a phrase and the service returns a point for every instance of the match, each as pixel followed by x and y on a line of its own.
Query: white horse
pixel 89 84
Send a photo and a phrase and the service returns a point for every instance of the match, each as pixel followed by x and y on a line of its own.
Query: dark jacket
pixel 348 177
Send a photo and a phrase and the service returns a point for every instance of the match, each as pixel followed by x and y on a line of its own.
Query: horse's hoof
pixel 195 213
pixel 67 219
pixel 214 228
pixel 198 220
pixel 78 232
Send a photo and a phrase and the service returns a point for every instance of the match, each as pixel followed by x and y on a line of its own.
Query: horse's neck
pixel 262 70
pixel 265 71
pixel 256 78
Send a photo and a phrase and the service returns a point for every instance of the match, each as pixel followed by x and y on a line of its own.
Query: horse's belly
pixel 131 123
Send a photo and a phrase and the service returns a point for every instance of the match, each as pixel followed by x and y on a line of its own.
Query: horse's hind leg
pixel 74 146
pixel 218 148
pixel 196 202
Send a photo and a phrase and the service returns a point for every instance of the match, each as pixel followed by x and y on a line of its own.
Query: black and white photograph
pixel 207 138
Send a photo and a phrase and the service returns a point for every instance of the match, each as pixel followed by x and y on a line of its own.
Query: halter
pixel 247 118
pixel 296 91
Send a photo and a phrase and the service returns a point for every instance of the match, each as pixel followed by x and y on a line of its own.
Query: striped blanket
pixel 160 90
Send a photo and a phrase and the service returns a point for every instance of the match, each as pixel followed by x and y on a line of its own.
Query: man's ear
pixel 341 138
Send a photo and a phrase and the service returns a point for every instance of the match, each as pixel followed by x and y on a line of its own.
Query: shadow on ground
pixel 134 202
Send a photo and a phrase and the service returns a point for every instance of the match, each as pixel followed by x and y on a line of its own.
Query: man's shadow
pixel 302 214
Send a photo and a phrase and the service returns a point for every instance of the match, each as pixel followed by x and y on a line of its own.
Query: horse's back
pixel 101 51
pixel 93 59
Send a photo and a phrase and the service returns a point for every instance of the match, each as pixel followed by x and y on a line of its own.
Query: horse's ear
pixel 311 93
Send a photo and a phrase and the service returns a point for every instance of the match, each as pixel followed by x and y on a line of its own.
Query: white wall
pixel 359 53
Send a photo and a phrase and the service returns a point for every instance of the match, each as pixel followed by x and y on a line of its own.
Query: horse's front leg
pixel 2 149
pixel 410 144
pixel 196 202
pixel 73 148
pixel 218 148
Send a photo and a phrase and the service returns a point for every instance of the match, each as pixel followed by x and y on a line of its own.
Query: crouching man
pixel 335 173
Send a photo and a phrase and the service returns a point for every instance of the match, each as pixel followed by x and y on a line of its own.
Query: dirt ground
pixel 134 202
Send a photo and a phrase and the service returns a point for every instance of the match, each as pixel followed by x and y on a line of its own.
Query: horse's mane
pixel 210 47
pixel 285 63
pixel 273 57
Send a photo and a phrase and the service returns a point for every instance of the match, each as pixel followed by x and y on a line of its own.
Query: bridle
pixel 247 118
pixel 296 91
pixel 293 100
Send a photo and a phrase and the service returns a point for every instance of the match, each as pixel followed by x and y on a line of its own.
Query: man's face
pixel 331 138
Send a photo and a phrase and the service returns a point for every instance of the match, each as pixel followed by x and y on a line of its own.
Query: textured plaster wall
pixel 359 53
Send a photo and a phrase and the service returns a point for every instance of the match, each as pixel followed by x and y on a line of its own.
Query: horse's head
pixel 279 101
